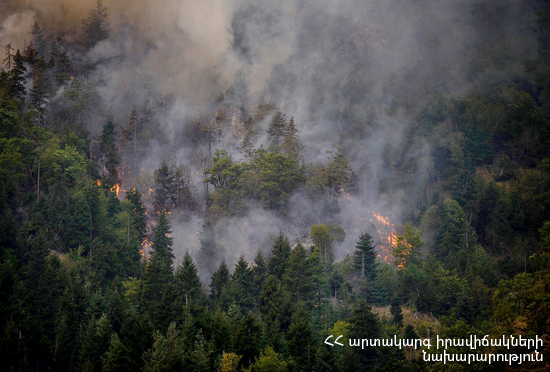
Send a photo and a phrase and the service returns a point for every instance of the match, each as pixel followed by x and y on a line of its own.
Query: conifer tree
pixel 301 340
pixel 137 212
pixel 364 258
pixel 219 279
pixel 8 61
pixel 364 324
pixel 108 148
pixel 210 252
pixel 291 144
pixel 39 91
pixel 276 128
pixel 164 188
pixel 95 27
pixel 249 335
pixel 395 310
pixel 338 171
pixel 280 252
pixel 298 276
pixel 17 78
pixel 246 148
pixel 243 277
pixel 187 280
pixel 273 306
pixel 259 273
pixel 158 274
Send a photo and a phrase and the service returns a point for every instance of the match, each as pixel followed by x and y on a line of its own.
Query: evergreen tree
pixel 166 353
pixel 17 78
pixel 8 61
pixel 164 188
pixel 95 27
pixel 364 324
pixel 249 335
pixel 63 69
pixel 291 144
pixel 280 252
pixel 301 340
pixel 338 171
pixel 118 357
pixel 187 280
pixel 210 252
pixel 364 258
pixel 276 128
pixel 40 88
pixel 259 273
pixel 274 307
pixel 246 148
pixel 298 276
pixel 219 279
pixel 243 277
pixel 108 148
pixel 396 313
pixel 137 212
pixel 158 274
pixel 38 39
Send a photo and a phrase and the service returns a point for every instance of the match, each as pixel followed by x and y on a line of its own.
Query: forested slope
pixel 228 218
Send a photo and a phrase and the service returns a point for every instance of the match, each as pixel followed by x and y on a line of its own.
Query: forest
pixel 224 185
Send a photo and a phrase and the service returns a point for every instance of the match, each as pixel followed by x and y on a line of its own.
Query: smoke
pixel 15 29
pixel 359 74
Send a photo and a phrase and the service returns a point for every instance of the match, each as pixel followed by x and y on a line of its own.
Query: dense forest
pixel 220 186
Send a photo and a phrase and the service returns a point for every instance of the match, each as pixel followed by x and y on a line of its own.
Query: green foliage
pixel 269 361
pixel 188 284
pixel 280 253
pixel 95 27
pixel 219 279
pixel 407 250
pixel 322 239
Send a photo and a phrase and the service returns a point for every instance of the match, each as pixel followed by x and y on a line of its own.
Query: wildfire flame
pixel 115 189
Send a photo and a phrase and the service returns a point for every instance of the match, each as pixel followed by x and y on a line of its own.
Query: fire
pixel 383 220
pixel 99 183
pixel 115 189
pixel 371 219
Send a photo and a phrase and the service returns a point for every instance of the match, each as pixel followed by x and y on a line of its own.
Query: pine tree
pixel 301 340
pixel 210 253
pixel 364 264
pixel 364 258
pixel 364 324
pixel 243 277
pixel 219 279
pixel 164 188
pixel 276 128
pixel 63 69
pixel 128 142
pixel 259 273
pixel 38 39
pixel 291 144
pixel 298 278
pixel 137 212
pixel 395 310
pixel 338 171
pixel 108 148
pixel 249 335
pixel 8 61
pixel 95 27
pixel 246 148
pixel 17 78
pixel 158 274
pixel 39 91
pixel 280 252
pixel 274 307
pixel 187 280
